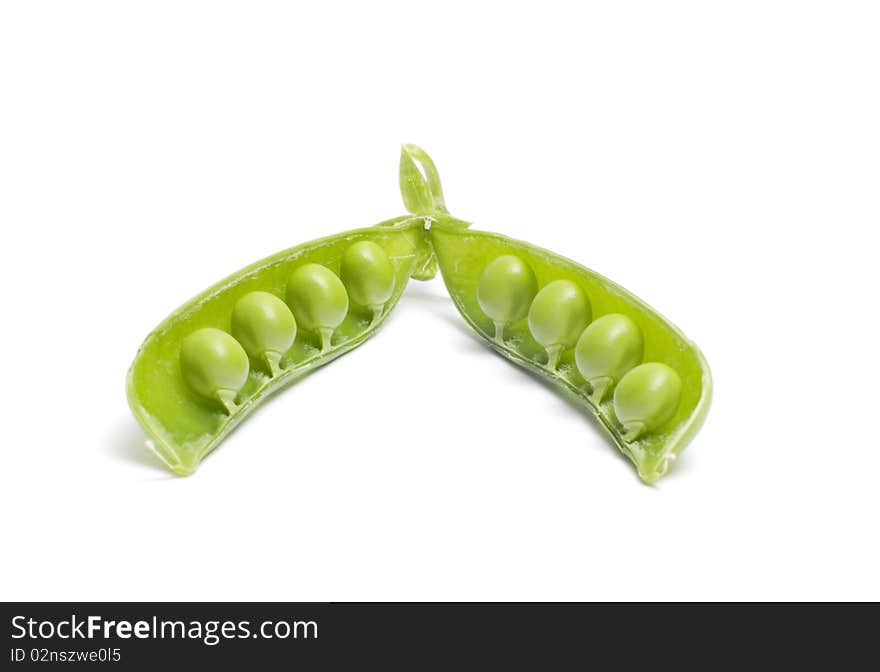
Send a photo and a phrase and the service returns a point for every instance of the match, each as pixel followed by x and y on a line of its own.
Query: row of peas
pixel 216 364
pixel 608 351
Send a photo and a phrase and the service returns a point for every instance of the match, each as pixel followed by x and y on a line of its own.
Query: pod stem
pixel 420 182
pixel 326 338
pixel 273 361
pixel 227 398
pixel 554 352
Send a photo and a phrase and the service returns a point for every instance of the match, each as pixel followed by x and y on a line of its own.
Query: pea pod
pixel 211 363
pixel 671 412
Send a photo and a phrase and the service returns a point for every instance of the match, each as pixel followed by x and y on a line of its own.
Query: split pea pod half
pixel 212 362
pixel 647 384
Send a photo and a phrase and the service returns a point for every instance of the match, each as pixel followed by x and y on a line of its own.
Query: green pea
pixel 645 398
pixel 214 365
pixel 606 350
pixel 507 287
pixel 264 325
pixel 557 317
pixel 318 300
pixel 368 275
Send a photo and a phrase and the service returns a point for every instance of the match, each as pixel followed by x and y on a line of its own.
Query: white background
pixel 721 160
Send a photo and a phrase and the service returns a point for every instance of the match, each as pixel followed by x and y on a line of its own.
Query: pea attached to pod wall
pixel 214 365
pixel 266 328
pixel 506 290
pixel 368 276
pixel 606 350
pixel 645 398
pixel 318 300
pixel 557 317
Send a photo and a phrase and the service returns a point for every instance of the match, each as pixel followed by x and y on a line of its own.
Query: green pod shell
pixel 646 398
pixel 557 316
pixel 462 253
pixel 214 365
pixel 181 427
pixel 506 290
pixel 606 350
pixel 368 275
pixel 318 300
pixel 265 326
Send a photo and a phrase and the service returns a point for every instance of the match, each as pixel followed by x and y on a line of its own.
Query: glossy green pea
pixel 318 300
pixel 214 365
pixel 368 275
pixel 264 325
pixel 557 317
pixel 645 398
pixel 506 290
pixel 606 350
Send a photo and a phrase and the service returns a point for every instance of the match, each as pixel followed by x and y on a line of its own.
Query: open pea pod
pixel 206 367
pixel 210 364
pixel 647 384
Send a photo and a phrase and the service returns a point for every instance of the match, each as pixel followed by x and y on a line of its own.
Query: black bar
pixel 419 635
